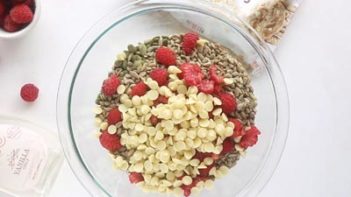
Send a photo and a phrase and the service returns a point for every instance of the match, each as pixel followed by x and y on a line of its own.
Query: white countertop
pixel 315 57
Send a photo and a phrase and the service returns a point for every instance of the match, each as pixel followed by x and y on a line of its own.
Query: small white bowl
pixel 10 35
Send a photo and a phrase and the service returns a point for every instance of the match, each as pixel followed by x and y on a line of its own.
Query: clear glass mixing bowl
pixel 93 57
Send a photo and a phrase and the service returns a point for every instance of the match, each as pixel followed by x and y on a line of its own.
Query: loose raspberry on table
pixel 160 76
pixel 135 177
pixel 191 73
pixel 10 26
pixel 21 14
pixel 166 56
pixel 228 102
pixel 114 116
pixel 110 85
pixel 250 138
pixel 110 141
pixel 139 89
pixel 29 92
pixel 189 42
pixel 206 86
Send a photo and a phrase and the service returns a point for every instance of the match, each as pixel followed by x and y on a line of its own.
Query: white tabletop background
pixel 315 57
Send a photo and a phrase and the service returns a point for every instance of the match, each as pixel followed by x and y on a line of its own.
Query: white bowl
pixel 9 35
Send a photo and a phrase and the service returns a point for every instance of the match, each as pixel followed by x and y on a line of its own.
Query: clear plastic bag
pixel 269 18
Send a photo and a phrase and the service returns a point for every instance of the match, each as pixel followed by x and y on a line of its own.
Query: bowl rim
pixel 81 171
pixel 20 33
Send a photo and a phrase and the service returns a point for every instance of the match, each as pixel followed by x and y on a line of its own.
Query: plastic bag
pixel 269 18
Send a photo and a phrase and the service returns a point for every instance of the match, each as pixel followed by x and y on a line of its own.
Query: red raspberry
pixel 191 73
pixel 228 145
pixel 135 177
pixel 110 142
pixel 213 75
pixel 228 102
pixel 14 2
pixel 217 89
pixel 154 120
pixel 215 156
pixel 205 171
pixel 2 9
pixel 30 3
pixel 29 92
pixel 189 42
pixel 238 129
pixel 166 56
pixel 160 75
pixel 201 156
pixel 10 26
pixel 161 100
pixel 21 14
pixel 206 86
pixel 110 85
pixel 114 116
pixel 250 138
pixel 2 20
pixel 139 89
pixel 187 188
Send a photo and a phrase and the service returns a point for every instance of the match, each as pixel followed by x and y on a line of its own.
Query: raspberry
pixel 189 42
pixel 228 146
pixel 201 156
pixel 21 14
pixel 154 120
pixel 238 129
pixel 110 85
pixel 29 92
pixel 160 76
pixel 166 56
pixel 191 73
pixel 9 25
pixel 228 102
pixel 213 75
pixel 206 86
pixel 161 100
pixel 135 177
pixel 139 89
pixel 14 2
pixel 110 142
pixel 2 9
pixel 250 138
pixel 114 116
pixel 217 89
pixel 204 172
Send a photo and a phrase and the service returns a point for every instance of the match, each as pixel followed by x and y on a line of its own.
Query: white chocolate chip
pixel 103 126
pixel 121 89
pixel 228 81
pixel 112 129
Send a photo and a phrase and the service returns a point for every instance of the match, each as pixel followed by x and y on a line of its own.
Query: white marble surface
pixel 315 57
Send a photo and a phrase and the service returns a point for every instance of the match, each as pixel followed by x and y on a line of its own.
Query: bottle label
pixel 23 156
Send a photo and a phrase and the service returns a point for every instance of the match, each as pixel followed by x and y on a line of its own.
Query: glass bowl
pixel 94 56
